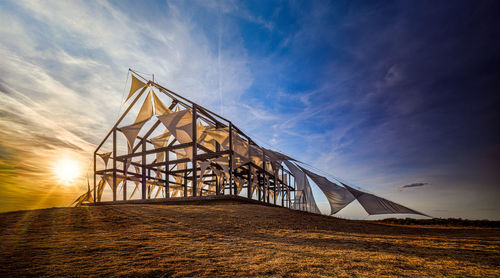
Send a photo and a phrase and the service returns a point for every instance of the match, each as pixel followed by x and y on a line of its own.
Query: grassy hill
pixel 233 240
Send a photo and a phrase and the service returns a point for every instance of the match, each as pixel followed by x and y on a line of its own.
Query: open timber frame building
pixel 185 150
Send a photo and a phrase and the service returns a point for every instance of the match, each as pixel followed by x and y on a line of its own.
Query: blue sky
pixel 380 94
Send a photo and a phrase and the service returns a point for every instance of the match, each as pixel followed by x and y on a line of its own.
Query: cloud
pixel 417 184
pixel 62 77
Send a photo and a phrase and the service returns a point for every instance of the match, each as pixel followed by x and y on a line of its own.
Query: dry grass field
pixel 234 240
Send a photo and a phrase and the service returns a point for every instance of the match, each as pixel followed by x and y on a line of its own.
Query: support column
pixel 281 187
pixel 275 185
pixel 143 171
pixel 231 160
pixel 264 183
pixel 167 176
pixel 185 184
pixel 114 165
pixel 249 187
pixel 217 184
pixel 95 177
pixel 125 179
pixel 258 185
pixel 195 147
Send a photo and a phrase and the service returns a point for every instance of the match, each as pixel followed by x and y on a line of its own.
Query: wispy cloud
pixel 416 184
pixel 62 73
pixel 376 102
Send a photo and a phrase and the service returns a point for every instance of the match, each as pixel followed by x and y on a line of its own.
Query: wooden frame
pixel 167 178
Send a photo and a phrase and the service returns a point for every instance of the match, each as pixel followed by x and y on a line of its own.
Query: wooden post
pixel 231 160
pixel 114 165
pixel 185 184
pixel 259 187
pixel 264 184
pixel 249 187
pixel 281 186
pixel 195 147
pixel 275 185
pixel 125 179
pixel 149 186
pixel 143 171
pixel 167 176
pixel 95 177
pixel 217 184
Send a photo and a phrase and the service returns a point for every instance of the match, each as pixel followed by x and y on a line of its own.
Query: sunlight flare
pixel 67 170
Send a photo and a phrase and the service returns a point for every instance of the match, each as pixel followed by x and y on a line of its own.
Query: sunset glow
pixel 67 170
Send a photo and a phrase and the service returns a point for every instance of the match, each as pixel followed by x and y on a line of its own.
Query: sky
pixel 399 98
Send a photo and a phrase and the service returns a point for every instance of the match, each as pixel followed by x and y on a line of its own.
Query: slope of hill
pixel 233 240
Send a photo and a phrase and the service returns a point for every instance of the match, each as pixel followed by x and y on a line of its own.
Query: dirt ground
pixel 234 240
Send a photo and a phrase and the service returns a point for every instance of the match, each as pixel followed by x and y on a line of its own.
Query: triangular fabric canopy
pixel 220 135
pixel 256 155
pixel 85 197
pixel 180 125
pixel 131 132
pixel 100 189
pixel 137 169
pixel 109 179
pixel 134 86
pixel 240 146
pixel 337 196
pixel 160 108
pixel 146 111
pixel 377 205
pixel 278 155
pixel 135 189
pixel 203 167
pixel 161 141
pixel 105 157
pixel 200 132
pixel 303 185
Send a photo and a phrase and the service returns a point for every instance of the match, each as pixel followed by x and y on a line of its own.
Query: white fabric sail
pixel 203 167
pixel 135 85
pixel 109 179
pixel 131 132
pixel 220 135
pixel 135 189
pixel 256 155
pixel 105 157
pixel 337 196
pixel 180 125
pixel 279 155
pixel 377 205
pixel 303 185
pixel 160 108
pixel 161 141
pixel 100 189
pixel 146 111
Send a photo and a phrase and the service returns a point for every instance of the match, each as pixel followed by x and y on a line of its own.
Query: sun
pixel 67 170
